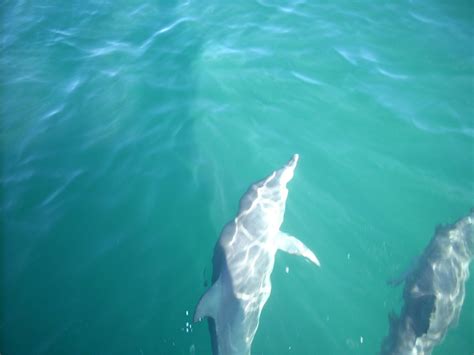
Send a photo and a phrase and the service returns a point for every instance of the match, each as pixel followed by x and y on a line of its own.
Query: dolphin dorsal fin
pixel 398 280
pixel 292 245
pixel 207 306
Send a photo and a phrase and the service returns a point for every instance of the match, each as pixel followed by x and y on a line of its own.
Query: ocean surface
pixel 130 129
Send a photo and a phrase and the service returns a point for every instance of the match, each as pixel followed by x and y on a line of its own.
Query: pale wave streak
pixel 146 45
pixel 357 55
pixel 289 9
pixel 62 187
pixel 414 113
pixel 307 79
pixel 110 47
pixel 392 75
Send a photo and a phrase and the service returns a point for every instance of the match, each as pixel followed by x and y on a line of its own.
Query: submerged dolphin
pixel 243 262
pixel 434 291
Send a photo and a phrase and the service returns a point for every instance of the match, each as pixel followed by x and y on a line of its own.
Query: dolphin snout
pixel 286 173
pixel 293 161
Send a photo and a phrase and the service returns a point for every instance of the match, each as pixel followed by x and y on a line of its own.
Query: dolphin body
pixel 434 292
pixel 243 262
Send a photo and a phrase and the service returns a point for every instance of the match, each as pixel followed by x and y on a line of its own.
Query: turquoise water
pixel 129 131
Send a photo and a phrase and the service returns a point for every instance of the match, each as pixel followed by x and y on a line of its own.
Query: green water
pixel 129 131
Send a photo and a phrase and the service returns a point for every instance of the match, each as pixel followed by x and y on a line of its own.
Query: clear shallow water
pixel 130 131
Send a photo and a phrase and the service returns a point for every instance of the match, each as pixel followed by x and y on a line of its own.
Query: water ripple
pixel 306 79
pixel 440 129
pixel 275 29
pixel 139 10
pixel 146 45
pixel 287 10
pixel 346 55
pixel 353 56
pixel 109 48
pixel 19 177
pixel 426 20
pixel 215 51
pixel 63 33
pixel 52 113
pixel 72 85
pixel 70 178
pixel 392 75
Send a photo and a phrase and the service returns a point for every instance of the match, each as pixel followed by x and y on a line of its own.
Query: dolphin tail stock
pixel 294 246
pixel 207 306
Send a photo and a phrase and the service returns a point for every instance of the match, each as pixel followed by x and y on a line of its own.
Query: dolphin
pixel 434 291
pixel 243 261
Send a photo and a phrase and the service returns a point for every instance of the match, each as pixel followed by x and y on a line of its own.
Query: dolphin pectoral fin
pixel 294 246
pixel 207 306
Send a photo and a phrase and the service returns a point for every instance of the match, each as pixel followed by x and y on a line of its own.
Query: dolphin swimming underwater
pixel 434 292
pixel 244 257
